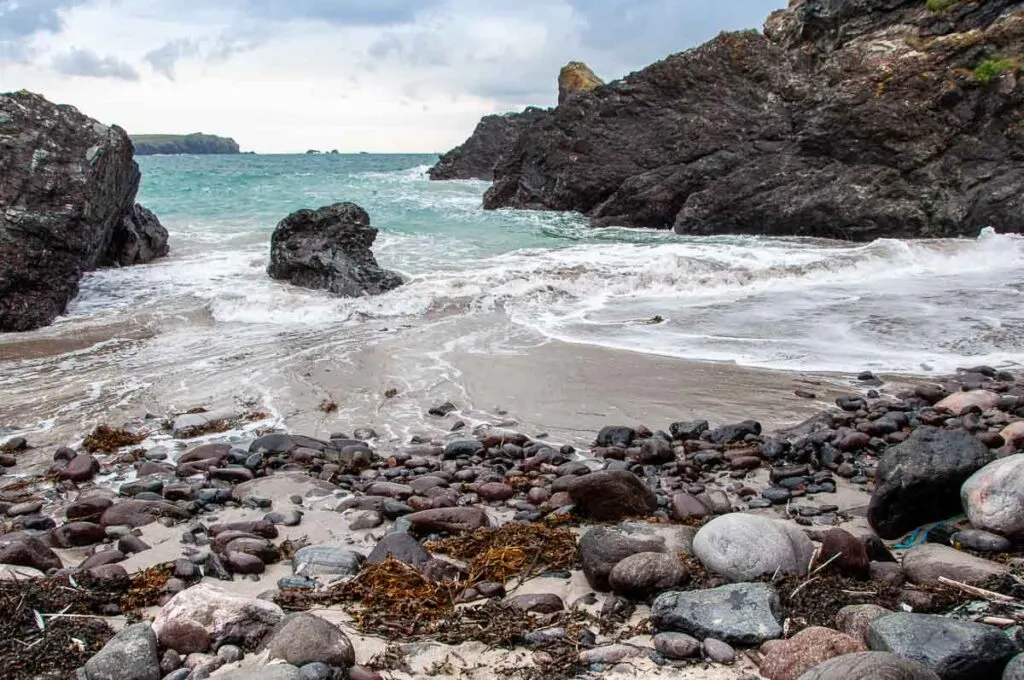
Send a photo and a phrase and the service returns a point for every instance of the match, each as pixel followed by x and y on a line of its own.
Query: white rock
pixel 958 401
pixel 220 613
pixel 1014 432
pixel 742 547
pixel 993 497
pixel 186 424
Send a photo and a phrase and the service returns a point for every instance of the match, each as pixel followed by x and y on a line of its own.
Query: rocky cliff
pixel 67 205
pixel 850 119
pixel 329 249
pixel 196 143
pixel 477 156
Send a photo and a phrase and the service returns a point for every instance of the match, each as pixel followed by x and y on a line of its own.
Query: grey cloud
pixel 78 62
pixel 22 19
pixel 353 12
pixel 163 59
pixel 25 18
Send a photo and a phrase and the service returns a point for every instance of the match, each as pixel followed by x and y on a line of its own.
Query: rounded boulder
pixel 742 547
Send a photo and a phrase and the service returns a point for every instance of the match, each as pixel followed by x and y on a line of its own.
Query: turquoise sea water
pixel 207 323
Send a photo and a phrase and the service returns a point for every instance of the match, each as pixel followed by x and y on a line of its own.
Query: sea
pixel 516 302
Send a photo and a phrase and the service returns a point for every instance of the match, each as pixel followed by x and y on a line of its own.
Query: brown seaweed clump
pixel 108 439
pixel 511 550
pixel 397 600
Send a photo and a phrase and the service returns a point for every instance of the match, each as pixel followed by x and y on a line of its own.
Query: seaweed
pixel 511 550
pixel 108 439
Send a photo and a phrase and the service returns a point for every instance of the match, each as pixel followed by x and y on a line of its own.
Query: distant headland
pixel 196 143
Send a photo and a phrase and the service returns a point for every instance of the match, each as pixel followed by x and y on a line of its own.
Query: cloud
pixel 164 59
pixel 20 20
pixel 349 12
pixel 79 62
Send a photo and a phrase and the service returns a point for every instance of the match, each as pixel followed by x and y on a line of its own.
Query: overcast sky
pixel 373 75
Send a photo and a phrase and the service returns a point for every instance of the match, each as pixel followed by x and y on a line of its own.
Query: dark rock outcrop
pixel 67 205
pixel 329 249
pixel 851 119
pixel 195 143
pixel 493 137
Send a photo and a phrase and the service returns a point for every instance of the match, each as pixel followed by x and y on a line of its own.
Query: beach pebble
pixel 926 563
pixel 401 547
pixel 646 573
pixel 959 402
pixel 982 541
pixel 129 655
pixel 610 654
pixel 953 649
pixel 184 637
pixel 448 520
pixel 687 506
pixel 743 547
pixel 291 517
pixel 611 496
pixel 742 613
pixel 676 645
pixel 870 666
pixel 846 552
pixel 220 613
pixel 275 671
pixel 304 638
pixel 540 603
pixel 601 548
pixel 23 550
pixel 326 560
pixel 366 519
pixel 994 497
pixel 789 659
pixel 616 435
pixel 853 619
pixel 80 469
pixel 719 652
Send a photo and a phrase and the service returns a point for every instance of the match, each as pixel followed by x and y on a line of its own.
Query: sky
pixel 385 76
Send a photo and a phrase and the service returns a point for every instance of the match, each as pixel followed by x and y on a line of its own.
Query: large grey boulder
pixel 67 205
pixel 329 249
pixel 739 613
pixel 742 547
pixel 955 650
pixel 994 497
pixel 919 481
pixel 303 638
pixel 129 655
pixel 870 666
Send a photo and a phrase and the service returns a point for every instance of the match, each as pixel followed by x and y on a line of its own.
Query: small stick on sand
pixel 979 592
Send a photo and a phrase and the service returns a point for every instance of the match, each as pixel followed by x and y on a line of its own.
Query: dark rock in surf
pixel 67 205
pixel 329 249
